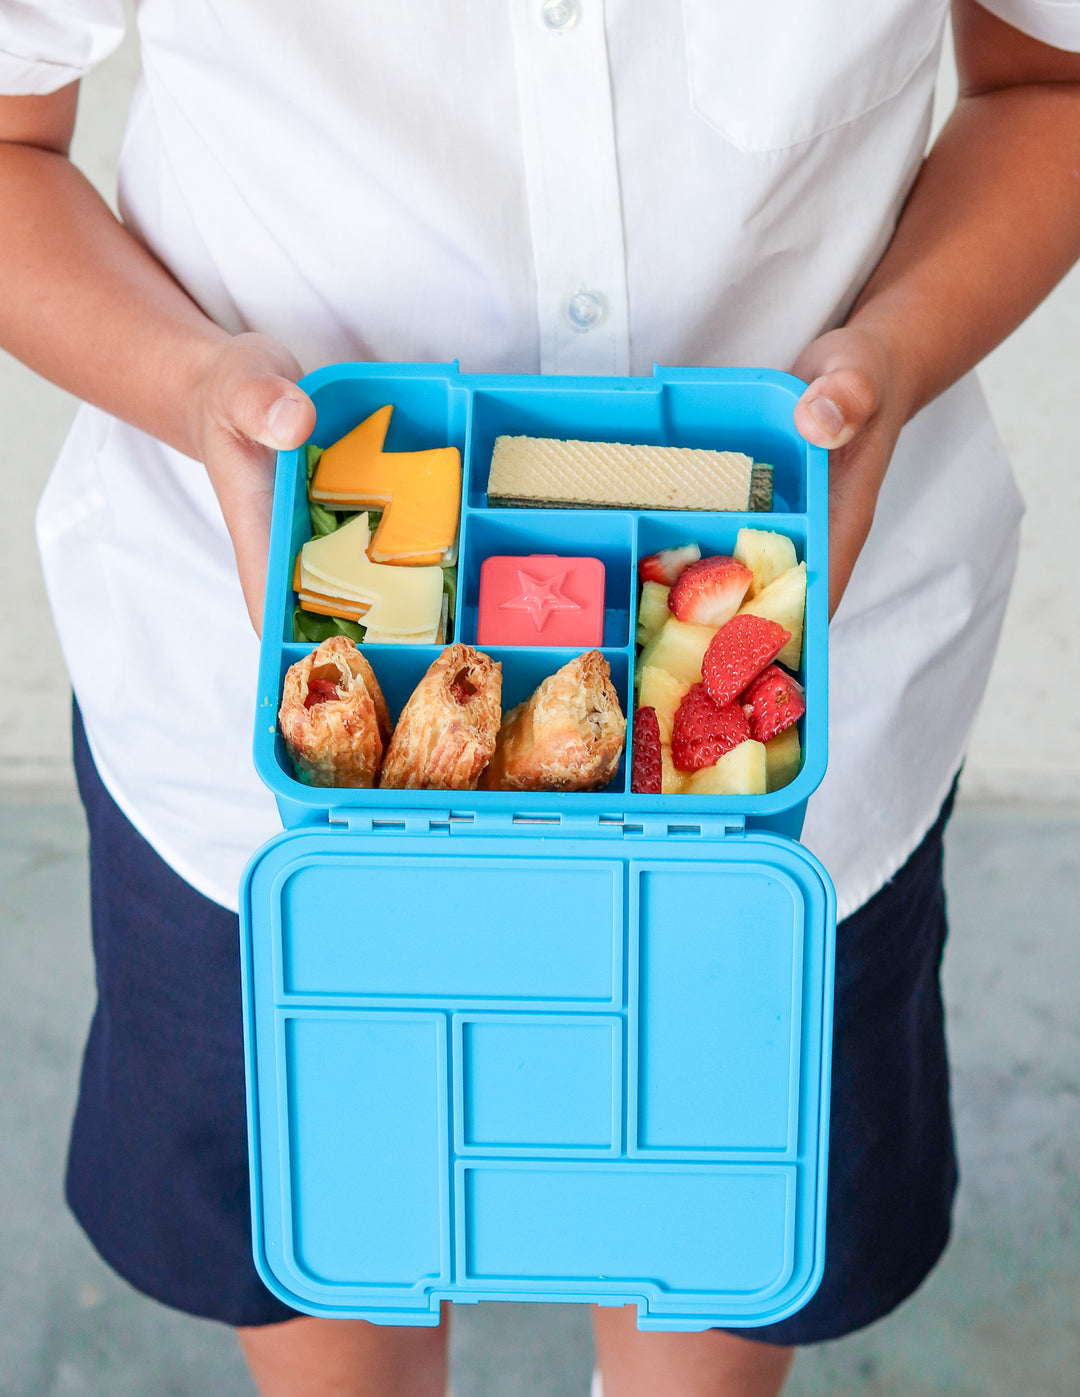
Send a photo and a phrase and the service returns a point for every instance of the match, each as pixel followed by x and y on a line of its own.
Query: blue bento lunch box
pixel 548 1047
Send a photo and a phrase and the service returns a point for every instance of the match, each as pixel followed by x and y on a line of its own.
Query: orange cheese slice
pixel 332 606
pixel 419 491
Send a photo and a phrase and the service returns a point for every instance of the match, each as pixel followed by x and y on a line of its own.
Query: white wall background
pixel 1026 746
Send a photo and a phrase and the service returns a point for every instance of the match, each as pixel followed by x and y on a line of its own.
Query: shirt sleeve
pixel 1055 22
pixel 46 44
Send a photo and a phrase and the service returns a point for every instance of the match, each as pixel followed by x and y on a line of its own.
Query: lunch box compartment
pixel 399 668
pixel 748 411
pixel 429 411
pixel 705 934
pixel 545 1084
pixel 558 1218
pixel 524 956
pixel 348 1075
pixel 575 533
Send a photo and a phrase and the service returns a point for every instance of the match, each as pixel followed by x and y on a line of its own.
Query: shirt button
pixel 585 310
pixel 560 15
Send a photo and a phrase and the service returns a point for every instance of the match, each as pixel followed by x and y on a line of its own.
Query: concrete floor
pixel 1000 1316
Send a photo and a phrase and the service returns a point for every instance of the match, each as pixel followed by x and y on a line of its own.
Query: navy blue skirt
pixel 157 1168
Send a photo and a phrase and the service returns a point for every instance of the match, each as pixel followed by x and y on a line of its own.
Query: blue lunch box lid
pixel 488 1061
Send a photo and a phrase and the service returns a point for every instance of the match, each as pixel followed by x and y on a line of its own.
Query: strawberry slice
pixel 772 703
pixel 709 592
pixel 646 765
pixel 703 731
pixel 664 567
pixel 738 652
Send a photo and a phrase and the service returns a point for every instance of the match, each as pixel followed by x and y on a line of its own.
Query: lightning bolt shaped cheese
pixel 420 491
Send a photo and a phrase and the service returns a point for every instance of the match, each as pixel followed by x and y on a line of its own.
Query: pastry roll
pixel 447 730
pixel 333 716
pixel 568 737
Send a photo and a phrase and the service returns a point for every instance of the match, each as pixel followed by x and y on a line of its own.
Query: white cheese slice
pixel 435 636
pixel 403 600
pixel 337 563
pixel 374 637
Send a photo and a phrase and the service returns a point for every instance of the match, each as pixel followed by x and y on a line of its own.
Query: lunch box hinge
pixel 647 825
pixel 685 827
pixel 392 821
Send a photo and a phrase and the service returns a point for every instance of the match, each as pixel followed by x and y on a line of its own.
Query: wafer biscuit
pixel 543 472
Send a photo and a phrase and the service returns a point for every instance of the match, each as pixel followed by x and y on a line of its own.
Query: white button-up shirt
pixel 562 186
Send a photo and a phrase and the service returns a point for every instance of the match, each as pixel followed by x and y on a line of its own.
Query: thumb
pixel 835 407
pixel 272 411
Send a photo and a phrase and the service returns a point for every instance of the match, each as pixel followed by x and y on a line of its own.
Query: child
pixel 571 186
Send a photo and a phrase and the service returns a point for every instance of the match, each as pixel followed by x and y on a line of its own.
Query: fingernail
pixel 282 421
pixel 827 415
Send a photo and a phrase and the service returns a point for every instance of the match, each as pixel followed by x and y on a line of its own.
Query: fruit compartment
pixel 399 668
pixel 604 534
pixel 717 534
pixel 730 410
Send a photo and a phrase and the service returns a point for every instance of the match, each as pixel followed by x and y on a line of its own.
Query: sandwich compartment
pixel 543 1046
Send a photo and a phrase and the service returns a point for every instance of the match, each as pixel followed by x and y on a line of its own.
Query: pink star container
pixel 541 599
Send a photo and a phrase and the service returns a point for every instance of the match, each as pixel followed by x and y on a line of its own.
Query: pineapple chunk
pixel 660 690
pixel 740 772
pixel 672 780
pixel 783 759
pixel 678 647
pixel 652 610
pixel 766 554
pixel 784 600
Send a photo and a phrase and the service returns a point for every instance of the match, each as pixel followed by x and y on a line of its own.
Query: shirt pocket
pixel 768 74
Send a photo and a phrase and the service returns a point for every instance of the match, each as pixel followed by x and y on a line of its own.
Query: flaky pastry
pixel 447 730
pixel 568 737
pixel 333 716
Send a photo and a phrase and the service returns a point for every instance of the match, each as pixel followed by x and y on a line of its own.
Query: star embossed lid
pixel 541 599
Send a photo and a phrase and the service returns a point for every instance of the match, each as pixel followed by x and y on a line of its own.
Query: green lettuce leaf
pixel 323 520
pixel 449 583
pixel 315 629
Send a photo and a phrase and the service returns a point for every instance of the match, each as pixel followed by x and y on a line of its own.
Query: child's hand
pixel 854 406
pixel 246 408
